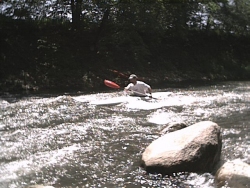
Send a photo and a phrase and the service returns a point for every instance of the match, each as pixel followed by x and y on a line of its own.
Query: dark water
pixel 63 142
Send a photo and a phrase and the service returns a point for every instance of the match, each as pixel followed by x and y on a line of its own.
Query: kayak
pixel 128 99
pixel 108 102
pixel 117 100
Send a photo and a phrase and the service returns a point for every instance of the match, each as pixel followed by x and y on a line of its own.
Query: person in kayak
pixel 138 88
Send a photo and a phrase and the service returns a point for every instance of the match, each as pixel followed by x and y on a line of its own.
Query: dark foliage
pixel 150 39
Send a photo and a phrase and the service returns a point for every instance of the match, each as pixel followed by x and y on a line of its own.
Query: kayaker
pixel 138 88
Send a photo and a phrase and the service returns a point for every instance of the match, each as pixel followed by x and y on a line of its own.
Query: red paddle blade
pixel 111 84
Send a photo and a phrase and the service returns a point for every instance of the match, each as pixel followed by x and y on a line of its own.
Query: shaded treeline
pixel 166 40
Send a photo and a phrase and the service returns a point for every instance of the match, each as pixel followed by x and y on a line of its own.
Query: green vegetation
pixel 42 48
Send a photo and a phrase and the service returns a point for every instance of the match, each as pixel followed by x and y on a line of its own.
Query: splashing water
pixel 96 140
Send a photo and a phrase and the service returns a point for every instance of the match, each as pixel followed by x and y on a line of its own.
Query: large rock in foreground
pixel 234 173
pixel 196 148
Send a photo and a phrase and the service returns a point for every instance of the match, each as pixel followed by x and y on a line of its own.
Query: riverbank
pixel 92 81
pixel 51 56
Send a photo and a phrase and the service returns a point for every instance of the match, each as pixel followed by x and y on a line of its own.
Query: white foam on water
pixel 15 169
pixel 82 99
pixel 162 118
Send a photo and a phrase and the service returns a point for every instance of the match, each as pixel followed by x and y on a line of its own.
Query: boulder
pixel 196 148
pixel 234 173
pixel 171 127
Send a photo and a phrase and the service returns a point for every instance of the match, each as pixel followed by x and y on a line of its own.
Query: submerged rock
pixel 40 186
pixel 234 173
pixel 196 148
pixel 173 126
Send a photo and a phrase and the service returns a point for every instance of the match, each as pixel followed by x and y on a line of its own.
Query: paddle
pixel 116 86
pixel 111 84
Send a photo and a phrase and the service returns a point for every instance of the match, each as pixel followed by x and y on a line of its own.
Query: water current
pixel 75 140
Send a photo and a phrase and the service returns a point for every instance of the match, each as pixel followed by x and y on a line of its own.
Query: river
pixel 67 140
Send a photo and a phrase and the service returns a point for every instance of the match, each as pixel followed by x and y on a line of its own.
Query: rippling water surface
pixel 71 141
